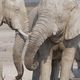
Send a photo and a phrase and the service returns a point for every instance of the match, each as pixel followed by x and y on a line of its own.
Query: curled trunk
pixel 41 31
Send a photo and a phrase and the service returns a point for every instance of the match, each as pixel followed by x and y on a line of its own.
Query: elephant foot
pixel 19 77
pixel 32 66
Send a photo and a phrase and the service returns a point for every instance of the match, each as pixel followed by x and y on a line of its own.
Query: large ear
pixel 73 28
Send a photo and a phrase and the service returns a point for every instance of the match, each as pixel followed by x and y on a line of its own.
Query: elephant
pixel 77 57
pixel 57 50
pixel 76 72
pixel 14 13
pixel 58 21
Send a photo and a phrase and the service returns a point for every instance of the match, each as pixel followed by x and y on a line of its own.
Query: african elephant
pixel 14 13
pixel 58 21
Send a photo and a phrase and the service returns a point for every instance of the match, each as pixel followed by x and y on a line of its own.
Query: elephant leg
pixel 36 74
pixel 66 63
pixel 46 67
pixel 76 72
pixel 77 56
pixel 55 70
pixel 17 56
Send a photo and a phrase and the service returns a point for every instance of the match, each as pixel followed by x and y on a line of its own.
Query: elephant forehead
pixel 13 8
pixel 12 4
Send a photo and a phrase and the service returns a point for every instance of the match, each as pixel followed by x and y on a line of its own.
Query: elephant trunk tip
pixel 31 65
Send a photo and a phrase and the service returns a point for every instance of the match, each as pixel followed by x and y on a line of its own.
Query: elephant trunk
pixel 40 33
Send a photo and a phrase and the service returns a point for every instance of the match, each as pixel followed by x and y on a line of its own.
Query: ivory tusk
pixel 24 34
pixel 29 33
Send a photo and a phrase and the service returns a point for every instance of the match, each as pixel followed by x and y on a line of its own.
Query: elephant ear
pixel 73 27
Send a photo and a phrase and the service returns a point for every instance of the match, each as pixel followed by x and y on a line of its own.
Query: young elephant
pixel 13 13
pixel 54 18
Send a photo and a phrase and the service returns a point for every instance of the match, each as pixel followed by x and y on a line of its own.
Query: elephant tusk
pixel 29 34
pixel 24 34
pixel 54 33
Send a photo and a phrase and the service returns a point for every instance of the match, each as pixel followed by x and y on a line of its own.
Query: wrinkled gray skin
pixel 44 50
pixel 13 13
pixel 77 57
pixel 54 17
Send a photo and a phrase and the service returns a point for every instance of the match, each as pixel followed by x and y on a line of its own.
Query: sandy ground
pixel 6 50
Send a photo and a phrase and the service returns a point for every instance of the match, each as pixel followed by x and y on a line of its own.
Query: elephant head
pixel 13 13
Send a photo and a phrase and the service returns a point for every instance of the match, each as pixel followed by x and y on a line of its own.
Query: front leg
pixel 55 69
pixel 46 67
pixel 66 63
